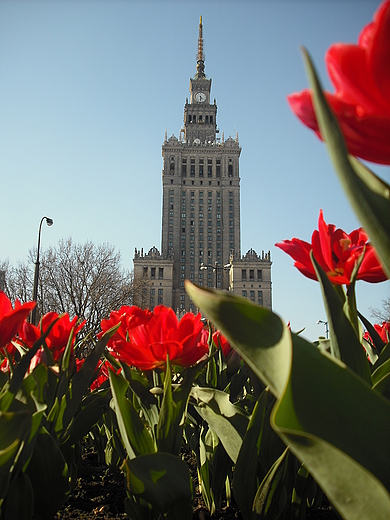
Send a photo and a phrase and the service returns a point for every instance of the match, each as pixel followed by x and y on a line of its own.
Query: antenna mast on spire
pixel 200 55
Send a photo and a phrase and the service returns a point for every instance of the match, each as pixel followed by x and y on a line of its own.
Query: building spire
pixel 200 55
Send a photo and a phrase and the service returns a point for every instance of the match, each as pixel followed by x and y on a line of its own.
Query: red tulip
pixel 128 317
pixel 221 342
pixel 103 374
pixel 148 337
pixel 383 331
pixel 58 336
pixel 337 253
pixel 11 320
pixel 361 102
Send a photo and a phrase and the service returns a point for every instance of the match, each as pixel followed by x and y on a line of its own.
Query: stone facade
pixel 153 279
pixel 250 276
pixel 201 211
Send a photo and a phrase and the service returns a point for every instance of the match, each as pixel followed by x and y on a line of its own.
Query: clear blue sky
pixel 88 89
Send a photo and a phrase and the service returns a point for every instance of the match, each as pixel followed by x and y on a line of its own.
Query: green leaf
pixel 173 409
pixel 19 503
pixel 83 378
pixel 10 389
pixel 161 479
pixel 92 408
pixel 343 339
pixel 271 495
pixel 367 193
pixel 48 473
pixel 251 329
pixel 260 448
pixel 227 420
pixel 135 436
pixel 326 413
pixel 214 466
pixel 14 430
pixel 378 343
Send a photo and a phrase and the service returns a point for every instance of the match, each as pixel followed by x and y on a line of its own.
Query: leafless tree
pixel 383 313
pixel 17 281
pixel 84 280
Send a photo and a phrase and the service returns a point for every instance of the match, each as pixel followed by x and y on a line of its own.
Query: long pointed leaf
pixel 343 337
pixel 328 416
pixel 135 436
pixel 252 329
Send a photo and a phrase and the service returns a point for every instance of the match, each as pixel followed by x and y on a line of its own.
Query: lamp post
pixel 215 267
pixel 49 222
pixel 326 327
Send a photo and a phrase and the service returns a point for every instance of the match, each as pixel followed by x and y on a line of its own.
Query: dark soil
pixel 100 493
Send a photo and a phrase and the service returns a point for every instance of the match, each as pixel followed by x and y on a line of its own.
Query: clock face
pixel 200 97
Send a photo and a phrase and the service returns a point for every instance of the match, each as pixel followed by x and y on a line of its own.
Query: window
pixel 160 296
pixel 244 293
pixel 260 297
pixel 252 295
pixel 153 272
pixel 211 119
pixel 145 273
pixel 209 168
pixel 192 170
pixel 200 167
pixel 184 167
pixel 172 167
pixel 243 275
pixel 230 168
pixel 218 168
pixel 259 274
pixel 251 274
pixel 160 273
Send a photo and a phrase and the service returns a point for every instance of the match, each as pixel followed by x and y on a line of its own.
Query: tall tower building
pixel 201 212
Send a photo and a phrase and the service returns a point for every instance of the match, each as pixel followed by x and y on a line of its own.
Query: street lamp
pixel 49 222
pixel 215 267
pixel 326 327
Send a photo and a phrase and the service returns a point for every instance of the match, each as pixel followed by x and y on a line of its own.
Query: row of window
pixel 160 297
pixel 154 272
pixel 207 119
pixel 252 296
pixel 252 273
pixel 202 169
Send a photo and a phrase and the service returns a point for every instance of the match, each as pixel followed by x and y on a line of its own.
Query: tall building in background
pixel 201 238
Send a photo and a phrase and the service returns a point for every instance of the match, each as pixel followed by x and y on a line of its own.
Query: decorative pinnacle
pixel 200 55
